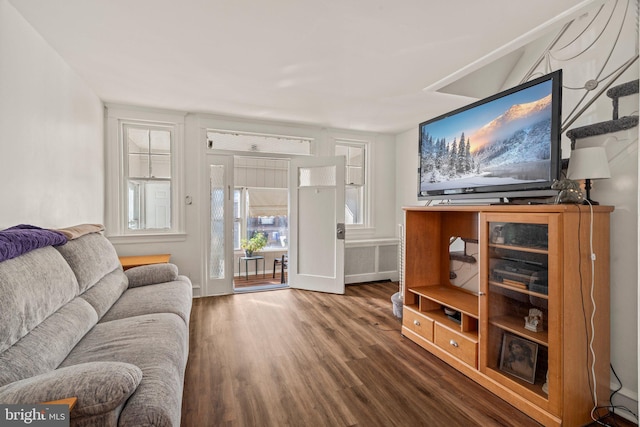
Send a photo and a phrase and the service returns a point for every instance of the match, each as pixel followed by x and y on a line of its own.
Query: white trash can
pixel 396 299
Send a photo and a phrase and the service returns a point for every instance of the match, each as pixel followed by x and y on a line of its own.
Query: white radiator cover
pixel 371 259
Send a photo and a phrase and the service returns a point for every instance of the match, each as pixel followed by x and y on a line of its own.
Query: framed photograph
pixel 519 357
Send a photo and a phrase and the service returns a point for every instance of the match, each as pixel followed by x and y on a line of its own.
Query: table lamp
pixel 588 163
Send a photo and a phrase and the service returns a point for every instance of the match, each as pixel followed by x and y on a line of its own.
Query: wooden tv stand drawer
pixel 456 344
pixel 418 323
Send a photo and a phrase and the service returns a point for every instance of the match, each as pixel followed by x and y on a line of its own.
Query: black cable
pixel 610 415
pixel 619 382
pixel 614 407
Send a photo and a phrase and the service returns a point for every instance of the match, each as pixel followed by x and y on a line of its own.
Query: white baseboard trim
pixel 197 292
pixel 625 398
pixel 372 277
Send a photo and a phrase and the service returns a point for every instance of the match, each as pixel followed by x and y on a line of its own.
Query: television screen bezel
pixel 508 191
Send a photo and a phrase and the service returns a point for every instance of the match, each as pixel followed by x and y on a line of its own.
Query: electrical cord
pixel 597 417
pixel 584 309
pixel 472 277
pixel 592 257
pixel 612 408
pixel 591 377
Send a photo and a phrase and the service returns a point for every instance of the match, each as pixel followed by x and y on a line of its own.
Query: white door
pixel 316 248
pixel 219 218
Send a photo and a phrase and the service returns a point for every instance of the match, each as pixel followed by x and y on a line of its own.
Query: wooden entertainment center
pixel 526 334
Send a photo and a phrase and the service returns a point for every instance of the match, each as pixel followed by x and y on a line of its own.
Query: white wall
pixel 49 119
pixel 620 191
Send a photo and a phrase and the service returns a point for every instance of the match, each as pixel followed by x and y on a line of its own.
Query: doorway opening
pixel 260 209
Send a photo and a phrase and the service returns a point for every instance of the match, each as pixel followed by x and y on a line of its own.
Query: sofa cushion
pixel 100 387
pixel 106 292
pixel 150 274
pixel 91 257
pixel 170 297
pixel 32 287
pixel 158 345
pixel 47 345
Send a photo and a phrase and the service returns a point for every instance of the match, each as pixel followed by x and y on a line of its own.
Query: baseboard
pixel 625 398
pixel 372 277
pixel 197 291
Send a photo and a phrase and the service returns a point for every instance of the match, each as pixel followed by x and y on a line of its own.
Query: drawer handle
pixel 416 322
pixel 453 343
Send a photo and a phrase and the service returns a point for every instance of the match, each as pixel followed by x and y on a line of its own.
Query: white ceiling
pixel 349 64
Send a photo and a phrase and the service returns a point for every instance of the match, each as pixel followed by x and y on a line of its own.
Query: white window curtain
pixel 268 202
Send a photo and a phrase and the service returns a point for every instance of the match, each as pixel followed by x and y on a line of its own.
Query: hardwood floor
pixel 253 280
pixel 299 358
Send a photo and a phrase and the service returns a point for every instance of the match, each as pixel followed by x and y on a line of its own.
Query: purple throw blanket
pixel 20 239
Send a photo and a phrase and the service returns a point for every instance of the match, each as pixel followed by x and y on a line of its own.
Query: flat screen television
pixel 505 146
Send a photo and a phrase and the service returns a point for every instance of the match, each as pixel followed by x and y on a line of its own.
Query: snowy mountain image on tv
pixel 504 141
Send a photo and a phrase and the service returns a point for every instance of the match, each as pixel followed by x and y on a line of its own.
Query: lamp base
pixel 587 187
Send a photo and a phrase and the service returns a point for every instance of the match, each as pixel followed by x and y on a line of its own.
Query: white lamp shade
pixel 588 163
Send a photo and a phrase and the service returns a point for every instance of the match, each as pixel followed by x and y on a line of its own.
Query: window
pixel 355 179
pixel 258 143
pixel 148 176
pixel 144 189
pixel 238 214
pixel 261 200
pixel 261 210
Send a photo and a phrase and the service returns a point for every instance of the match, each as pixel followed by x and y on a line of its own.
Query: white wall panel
pixel 360 260
pixel 371 259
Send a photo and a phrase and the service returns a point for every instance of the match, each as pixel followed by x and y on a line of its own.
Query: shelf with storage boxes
pixel 521 333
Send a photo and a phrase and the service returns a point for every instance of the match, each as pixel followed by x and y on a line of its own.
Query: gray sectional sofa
pixel 74 324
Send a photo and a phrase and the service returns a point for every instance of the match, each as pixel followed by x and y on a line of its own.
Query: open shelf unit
pixel 521 332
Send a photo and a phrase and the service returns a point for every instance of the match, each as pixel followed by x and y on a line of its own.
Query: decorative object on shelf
pixel 519 357
pixel 588 163
pixel 545 386
pixel 533 322
pixel 496 235
pixel 452 314
pixel 254 244
pixel 569 191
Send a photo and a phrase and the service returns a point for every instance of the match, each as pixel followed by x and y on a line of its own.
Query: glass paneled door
pixel 219 241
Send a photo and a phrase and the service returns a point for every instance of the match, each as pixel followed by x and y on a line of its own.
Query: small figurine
pixel 570 191
pixel 496 236
pixel 545 386
pixel 533 322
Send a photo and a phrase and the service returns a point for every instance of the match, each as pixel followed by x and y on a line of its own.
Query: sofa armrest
pixel 151 274
pixel 99 386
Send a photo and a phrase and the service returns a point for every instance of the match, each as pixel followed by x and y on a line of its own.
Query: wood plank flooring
pixel 298 358
pixel 241 282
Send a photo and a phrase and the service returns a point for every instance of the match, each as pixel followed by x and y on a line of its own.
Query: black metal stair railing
pixel 616 124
